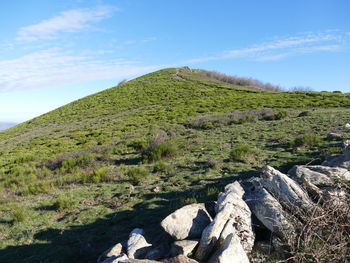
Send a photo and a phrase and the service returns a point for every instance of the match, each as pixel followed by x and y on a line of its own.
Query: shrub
pixel 158 148
pixel 163 167
pixel 304 113
pixel 96 176
pixel 63 203
pixel 307 139
pixel 137 174
pixel 19 214
pixel 242 153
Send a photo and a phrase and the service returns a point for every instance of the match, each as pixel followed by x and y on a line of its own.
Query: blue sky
pixel 54 52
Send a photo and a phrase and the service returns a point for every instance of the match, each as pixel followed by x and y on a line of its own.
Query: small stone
pixel 183 247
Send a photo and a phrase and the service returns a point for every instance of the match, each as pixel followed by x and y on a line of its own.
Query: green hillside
pixel 78 179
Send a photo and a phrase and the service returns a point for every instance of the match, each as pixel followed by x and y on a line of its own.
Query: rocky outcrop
pixel 187 222
pixel 274 200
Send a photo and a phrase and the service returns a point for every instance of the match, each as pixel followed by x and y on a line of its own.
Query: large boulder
pixel 231 251
pixel 183 247
pixel 137 244
pixel 187 222
pixel 320 175
pixel 212 232
pixel 268 210
pixel 241 214
pixel 284 189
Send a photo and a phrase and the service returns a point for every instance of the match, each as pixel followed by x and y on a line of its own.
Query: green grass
pixel 85 173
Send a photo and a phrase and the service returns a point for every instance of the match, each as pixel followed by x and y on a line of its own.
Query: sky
pixel 54 52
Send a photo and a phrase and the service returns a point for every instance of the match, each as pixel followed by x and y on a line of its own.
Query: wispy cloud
pixel 54 67
pixel 68 21
pixel 281 48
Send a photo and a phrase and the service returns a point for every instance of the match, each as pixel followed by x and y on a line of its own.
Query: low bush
pixel 158 148
pixel 304 113
pixel 163 167
pixel 137 174
pixel 243 153
pixel 307 139
pixel 96 176
pixel 19 214
pixel 63 203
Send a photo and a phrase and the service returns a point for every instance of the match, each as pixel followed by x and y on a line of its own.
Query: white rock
pixel 116 259
pixel 137 244
pixel 241 214
pixel 284 189
pixel 116 250
pixel 320 175
pixel 183 247
pixel 212 232
pixel 230 252
pixel 187 222
pixel 269 211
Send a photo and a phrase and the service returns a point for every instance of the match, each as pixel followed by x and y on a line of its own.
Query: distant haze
pixel 6 125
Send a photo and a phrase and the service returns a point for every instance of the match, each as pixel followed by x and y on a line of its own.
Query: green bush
pixel 19 214
pixel 137 174
pixel 158 148
pixel 63 203
pixel 304 113
pixel 242 153
pixel 163 167
pixel 307 139
pixel 96 176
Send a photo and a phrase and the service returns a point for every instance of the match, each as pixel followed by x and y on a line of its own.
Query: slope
pixel 86 173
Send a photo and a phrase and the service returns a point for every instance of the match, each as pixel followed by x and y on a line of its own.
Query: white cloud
pixel 329 41
pixel 54 67
pixel 68 21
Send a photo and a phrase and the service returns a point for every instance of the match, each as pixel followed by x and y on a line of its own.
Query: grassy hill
pixel 76 180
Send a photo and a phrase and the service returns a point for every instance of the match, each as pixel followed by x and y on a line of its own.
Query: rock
pixel 116 259
pixel 137 244
pixel 334 136
pixel 180 259
pixel 113 251
pixel 158 252
pixel 241 215
pixel 212 232
pixel 230 252
pixel 347 125
pixel 138 261
pixel 320 175
pixel 187 222
pixel 268 210
pixel 183 247
pixel 284 189
pixel 340 160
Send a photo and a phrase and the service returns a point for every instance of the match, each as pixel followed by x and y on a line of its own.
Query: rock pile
pixel 227 231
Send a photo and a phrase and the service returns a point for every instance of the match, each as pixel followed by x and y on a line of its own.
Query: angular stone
pixel 268 210
pixel 320 175
pixel 230 252
pixel 137 244
pixel 285 190
pixel 212 232
pixel 187 222
pixel 241 214
pixel 183 247
pixel 158 252
pixel 116 259
pixel 116 250
pixel 332 136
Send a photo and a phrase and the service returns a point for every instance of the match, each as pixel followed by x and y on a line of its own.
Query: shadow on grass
pixel 84 243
